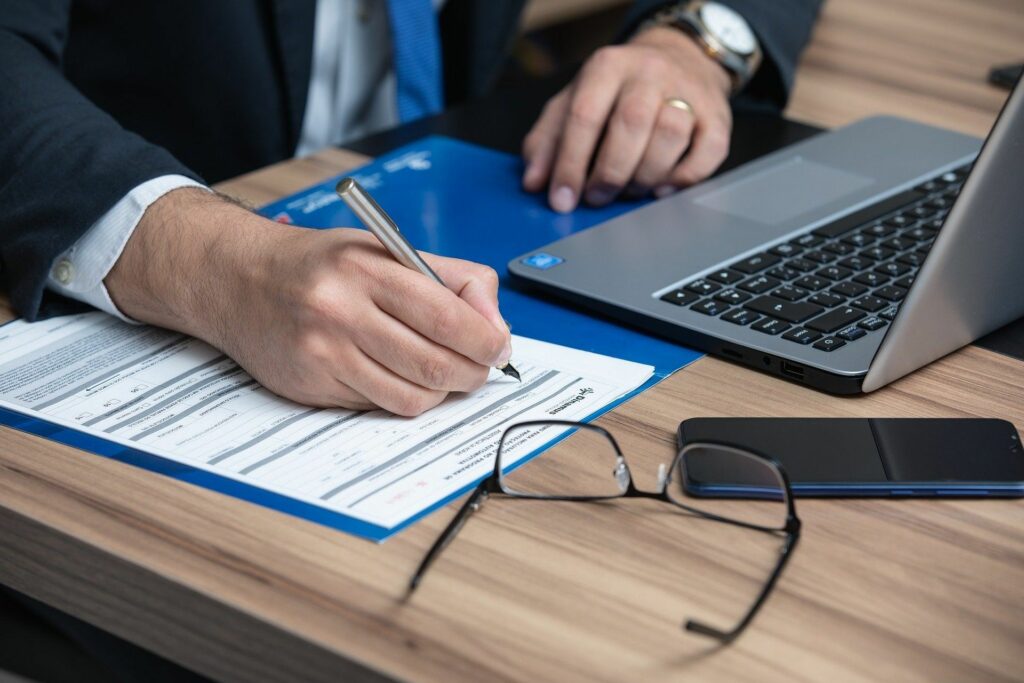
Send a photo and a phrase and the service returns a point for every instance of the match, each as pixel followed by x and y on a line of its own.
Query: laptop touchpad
pixel 784 191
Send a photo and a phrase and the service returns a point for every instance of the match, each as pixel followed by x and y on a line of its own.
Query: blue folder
pixel 449 198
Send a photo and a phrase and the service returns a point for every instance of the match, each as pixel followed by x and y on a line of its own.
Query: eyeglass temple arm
pixel 472 504
pixel 729 636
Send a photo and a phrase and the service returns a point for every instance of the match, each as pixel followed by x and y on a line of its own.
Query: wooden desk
pixel 878 590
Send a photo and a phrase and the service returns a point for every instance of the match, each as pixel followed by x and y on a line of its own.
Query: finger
pixel 474 283
pixel 541 143
pixel 344 396
pixel 417 359
pixel 708 150
pixel 386 389
pixel 439 315
pixel 629 131
pixel 591 102
pixel 669 141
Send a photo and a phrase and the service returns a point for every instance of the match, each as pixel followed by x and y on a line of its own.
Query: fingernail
pixel 599 196
pixel 505 355
pixel 663 191
pixel 563 199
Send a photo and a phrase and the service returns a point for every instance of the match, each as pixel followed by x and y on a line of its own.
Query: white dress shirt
pixel 352 92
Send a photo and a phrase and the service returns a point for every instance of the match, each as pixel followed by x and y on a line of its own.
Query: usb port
pixel 792 370
pixel 732 354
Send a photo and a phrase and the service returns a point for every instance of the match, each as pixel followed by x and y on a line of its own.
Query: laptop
pixel 842 262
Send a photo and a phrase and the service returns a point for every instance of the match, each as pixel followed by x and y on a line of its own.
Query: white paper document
pixel 176 397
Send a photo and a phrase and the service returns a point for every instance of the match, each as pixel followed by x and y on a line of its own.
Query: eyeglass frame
pixel 493 483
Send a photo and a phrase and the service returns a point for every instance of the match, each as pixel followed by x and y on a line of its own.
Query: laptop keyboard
pixel 834 284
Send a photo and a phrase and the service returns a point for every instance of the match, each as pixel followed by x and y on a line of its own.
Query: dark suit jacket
pixel 98 96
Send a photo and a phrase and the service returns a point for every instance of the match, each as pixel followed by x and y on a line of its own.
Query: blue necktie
pixel 417 53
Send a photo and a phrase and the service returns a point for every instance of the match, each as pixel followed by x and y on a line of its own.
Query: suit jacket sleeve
pixel 63 161
pixel 783 28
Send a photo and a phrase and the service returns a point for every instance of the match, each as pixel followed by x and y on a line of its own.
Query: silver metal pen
pixel 378 222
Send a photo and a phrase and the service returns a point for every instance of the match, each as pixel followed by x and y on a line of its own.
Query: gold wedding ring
pixel 679 104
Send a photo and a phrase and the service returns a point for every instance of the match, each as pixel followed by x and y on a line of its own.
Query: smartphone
pixel 866 457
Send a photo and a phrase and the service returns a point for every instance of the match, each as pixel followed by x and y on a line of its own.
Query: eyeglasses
pixel 713 480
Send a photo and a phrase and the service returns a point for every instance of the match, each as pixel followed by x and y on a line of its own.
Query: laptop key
pixel 807 241
pixel 852 333
pixel 732 297
pixel 710 307
pixel 812 282
pixel 785 250
pixel 849 289
pixel 889 313
pixel 872 279
pixel 741 316
pixel 789 311
pixel 819 256
pixel 835 319
pixel 859 240
pixel 892 269
pixel 835 273
pixel 759 284
pixel 829 344
pixel 790 293
pixel 905 282
pixel 898 243
pixel 877 253
pixel 726 277
pixel 872 323
pixel 891 293
pixel 679 297
pixel 801 335
pixel 756 263
pixel 770 326
pixel 920 233
pixel 839 248
pixel 825 299
pixel 702 287
pixel 784 272
pixel 871 304
pixel 803 265
pixel 856 263
pixel 912 259
pixel 878 230
pixel 898 221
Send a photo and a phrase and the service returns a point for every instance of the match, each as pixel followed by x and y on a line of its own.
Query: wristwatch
pixel 721 32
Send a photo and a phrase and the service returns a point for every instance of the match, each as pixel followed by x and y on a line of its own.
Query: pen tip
pixel 510 371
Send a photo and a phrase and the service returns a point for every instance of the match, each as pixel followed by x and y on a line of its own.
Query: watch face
pixel 728 27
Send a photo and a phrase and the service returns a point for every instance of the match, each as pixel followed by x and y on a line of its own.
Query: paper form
pixel 178 398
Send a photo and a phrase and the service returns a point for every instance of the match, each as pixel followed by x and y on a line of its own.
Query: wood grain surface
pixel 922 59
pixel 877 590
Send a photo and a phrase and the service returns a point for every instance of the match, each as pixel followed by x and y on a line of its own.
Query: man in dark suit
pixel 115 112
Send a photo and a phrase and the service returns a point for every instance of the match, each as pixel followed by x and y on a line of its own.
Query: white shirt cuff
pixel 78 273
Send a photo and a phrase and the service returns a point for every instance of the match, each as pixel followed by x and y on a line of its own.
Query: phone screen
pixel 856 456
